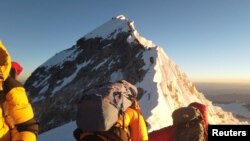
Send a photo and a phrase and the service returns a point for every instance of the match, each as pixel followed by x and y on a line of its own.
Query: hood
pixel 5 61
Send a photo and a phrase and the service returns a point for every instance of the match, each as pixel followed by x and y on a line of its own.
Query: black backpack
pixel 113 134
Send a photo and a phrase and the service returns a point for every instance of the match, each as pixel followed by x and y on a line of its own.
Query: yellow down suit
pixel 14 104
pixel 135 123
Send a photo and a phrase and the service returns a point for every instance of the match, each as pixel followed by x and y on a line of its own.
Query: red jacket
pixel 164 134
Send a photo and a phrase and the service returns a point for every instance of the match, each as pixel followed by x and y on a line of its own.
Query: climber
pixel 17 121
pixel 134 123
pixel 197 127
pixel 117 121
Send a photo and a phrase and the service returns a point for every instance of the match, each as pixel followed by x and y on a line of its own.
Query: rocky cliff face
pixel 113 51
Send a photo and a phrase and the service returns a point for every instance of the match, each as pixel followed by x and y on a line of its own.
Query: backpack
pixel 189 123
pixel 100 107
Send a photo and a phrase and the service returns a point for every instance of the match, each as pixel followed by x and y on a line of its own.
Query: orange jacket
pixel 135 123
pixel 15 105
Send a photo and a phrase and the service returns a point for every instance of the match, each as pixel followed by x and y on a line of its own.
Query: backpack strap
pixel 30 125
pixel 11 83
pixel 109 136
pixel 121 132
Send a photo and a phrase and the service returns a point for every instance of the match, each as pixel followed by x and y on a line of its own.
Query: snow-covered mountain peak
pixel 120 23
pixel 108 31
pixel 111 52
pixel 111 28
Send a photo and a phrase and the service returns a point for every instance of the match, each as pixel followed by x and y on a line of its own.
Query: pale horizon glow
pixel 208 40
pixel 220 80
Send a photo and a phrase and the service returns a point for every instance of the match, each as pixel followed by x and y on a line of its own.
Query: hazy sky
pixel 207 39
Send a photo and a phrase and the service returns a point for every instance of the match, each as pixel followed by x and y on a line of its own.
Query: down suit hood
pixel 5 61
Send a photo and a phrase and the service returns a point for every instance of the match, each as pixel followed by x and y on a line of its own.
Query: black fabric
pixel 92 138
pixel 11 83
pixel 114 134
pixel 2 96
pixel 77 132
pixel 121 133
pixel 12 72
pixel 30 125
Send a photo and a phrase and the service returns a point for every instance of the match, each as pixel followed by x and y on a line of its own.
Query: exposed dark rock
pixel 104 57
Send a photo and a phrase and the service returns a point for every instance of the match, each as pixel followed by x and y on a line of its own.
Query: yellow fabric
pixel 24 136
pixel 18 105
pixel 20 110
pixel 3 126
pixel 5 61
pixel 136 124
